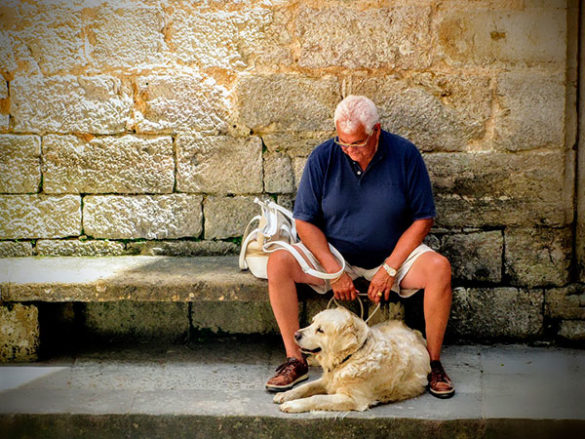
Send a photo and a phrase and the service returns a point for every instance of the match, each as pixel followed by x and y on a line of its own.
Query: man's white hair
pixel 354 111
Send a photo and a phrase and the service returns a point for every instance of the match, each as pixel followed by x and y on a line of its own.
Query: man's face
pixel 359 137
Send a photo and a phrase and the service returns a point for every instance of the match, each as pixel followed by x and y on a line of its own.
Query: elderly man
pixel 368 193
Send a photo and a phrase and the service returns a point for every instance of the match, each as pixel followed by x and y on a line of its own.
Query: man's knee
pixel 440 267
pixel 280 263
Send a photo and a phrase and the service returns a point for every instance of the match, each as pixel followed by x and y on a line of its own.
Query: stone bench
pixel 136 296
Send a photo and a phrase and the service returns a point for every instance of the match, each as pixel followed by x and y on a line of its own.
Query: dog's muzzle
pixel 298 336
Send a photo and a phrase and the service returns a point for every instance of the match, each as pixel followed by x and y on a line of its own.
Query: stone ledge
pixel 135 278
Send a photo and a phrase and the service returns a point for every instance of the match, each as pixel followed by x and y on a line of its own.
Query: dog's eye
pixel 319 330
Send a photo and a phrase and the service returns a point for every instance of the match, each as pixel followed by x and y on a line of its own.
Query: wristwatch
pixel 391 271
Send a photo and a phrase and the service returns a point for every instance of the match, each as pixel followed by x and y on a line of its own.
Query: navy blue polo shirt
pixel 363 214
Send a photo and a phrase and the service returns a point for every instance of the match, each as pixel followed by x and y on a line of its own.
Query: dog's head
pixel 332 336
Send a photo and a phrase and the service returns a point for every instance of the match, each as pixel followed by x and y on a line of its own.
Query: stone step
pixel 217 390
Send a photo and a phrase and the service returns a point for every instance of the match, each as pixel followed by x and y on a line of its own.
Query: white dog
pixel 362 366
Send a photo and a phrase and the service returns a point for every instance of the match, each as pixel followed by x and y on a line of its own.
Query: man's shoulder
pixel 399 145
pixel 322 152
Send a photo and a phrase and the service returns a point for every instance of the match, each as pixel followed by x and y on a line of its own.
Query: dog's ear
pixel 354 333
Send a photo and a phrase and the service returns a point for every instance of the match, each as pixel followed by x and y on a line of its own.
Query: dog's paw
pixel 291 407
pixel 281 397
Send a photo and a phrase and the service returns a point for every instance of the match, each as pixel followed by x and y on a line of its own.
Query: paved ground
pixel 226 378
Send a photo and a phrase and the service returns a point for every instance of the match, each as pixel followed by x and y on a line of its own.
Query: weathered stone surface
pixel 481 37
pixel 142 216
pixel 76 247
pixel 219 164
pixel 136 278
pixel 127 164
pixel 280 101
pixel 437 112
pixel 278 174
pixel 4 116
pixel 482 313
pixel 8 49
pixel 529 119
pixel 475 256
pixel 20 163
pixel 566 303
pixel 298 164
pixel 39 216
pixel 51 32
pixel 181 103
pixel 128 319
pixel 482 189
pixel 370 38
pixel 536 257
pixel 182 248
pixel 9 249
pixel 455 211
pixel 64 104
pixel 228 217
pixel 19 332
pixel 295 143
pixel 286 200
pixel 573 330
pixel 124 34
pixel 230 39
pixel 234 317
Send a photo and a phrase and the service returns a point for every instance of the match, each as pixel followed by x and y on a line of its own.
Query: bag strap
pixel 248 237
pixel 304 265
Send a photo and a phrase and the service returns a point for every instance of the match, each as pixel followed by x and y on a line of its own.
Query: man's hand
pixel 343 288
pixel 380 286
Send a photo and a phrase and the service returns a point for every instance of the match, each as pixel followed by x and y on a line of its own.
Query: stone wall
pixel 148 127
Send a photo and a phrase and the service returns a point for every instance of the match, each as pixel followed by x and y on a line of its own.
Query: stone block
pixel 295 143
pixel 19 332
pixel 536 257
pixel 492 36
pixel 124 35
pixel 20 163
pixel 66 104
pixel 278 174
pixel 127 164
pixel 39 216
pixel 137 320
pixel 10 249
pixel 9 46
pixel 437 112
pixel 182 248
pixel 75 247
pixel 454 211
pixel 573 330
pixel 475 256
pixel 298 164
pixel 142 216
pixel 219 164
pixel 234 317
pixel 43 37
pixel 566 302
pixel 279 102
pixel 532 111
pixel 227 217
pixel 286 200
pixel 496 313
pixel 227 38
pixel 373 38
pixel 181 103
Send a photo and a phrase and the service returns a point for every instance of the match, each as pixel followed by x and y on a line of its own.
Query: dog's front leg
pixel 308 389
pixel 336 402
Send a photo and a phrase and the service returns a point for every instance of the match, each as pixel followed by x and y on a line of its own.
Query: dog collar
pixel 359 349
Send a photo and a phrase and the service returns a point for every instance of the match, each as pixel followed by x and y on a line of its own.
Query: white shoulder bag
pixel 276 231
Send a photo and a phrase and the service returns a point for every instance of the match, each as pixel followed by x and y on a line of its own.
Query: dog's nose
pixel 298 335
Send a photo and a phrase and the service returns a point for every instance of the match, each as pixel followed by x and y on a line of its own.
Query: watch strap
pixel 391 271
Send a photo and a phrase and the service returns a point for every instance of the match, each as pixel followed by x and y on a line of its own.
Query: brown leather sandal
pixel 440 384
pixel 287 375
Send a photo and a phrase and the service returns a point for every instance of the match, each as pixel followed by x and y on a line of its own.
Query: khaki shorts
pixel 356 272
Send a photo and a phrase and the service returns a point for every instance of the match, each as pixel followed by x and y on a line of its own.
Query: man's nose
pixel 298 335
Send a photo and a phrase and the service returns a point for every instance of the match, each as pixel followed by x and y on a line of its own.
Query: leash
pixel 334 300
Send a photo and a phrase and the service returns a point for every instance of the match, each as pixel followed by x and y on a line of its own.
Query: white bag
pixel 276 231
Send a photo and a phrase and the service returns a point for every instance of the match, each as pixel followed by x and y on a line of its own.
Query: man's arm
pixel 315 240
pixel 410 239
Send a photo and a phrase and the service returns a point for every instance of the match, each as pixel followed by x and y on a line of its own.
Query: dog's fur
pixel 362 366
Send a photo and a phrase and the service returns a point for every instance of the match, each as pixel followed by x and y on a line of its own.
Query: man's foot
pixel 287 375
pixel 440 384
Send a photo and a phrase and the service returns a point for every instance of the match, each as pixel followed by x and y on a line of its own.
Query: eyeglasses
pixel 355 145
